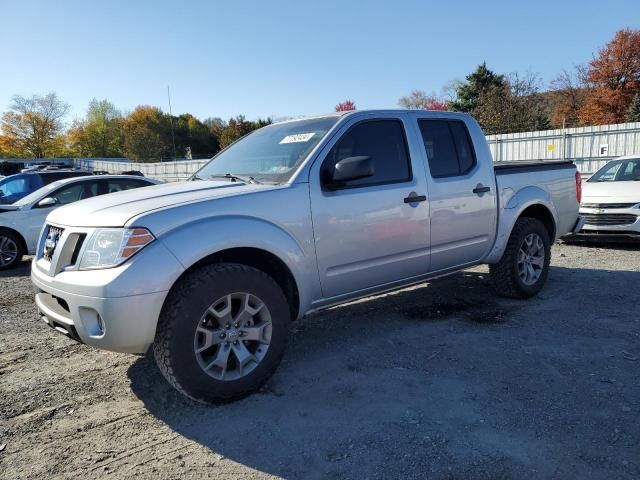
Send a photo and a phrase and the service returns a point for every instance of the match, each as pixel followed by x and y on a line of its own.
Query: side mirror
pixel 349 169
pixel 47 202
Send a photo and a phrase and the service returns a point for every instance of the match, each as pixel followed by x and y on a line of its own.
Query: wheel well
pixel 542 213
pixel 23 243
pixel 261 260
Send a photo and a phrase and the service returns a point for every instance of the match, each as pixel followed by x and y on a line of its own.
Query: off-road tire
pixel 181 313
pixel 19 245
pixel 504 274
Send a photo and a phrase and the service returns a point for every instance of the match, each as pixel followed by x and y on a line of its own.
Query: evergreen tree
pixel 633 113
pixel 468 93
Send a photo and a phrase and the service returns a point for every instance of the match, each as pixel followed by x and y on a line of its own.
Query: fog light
pixel 92 322
pixel 100 325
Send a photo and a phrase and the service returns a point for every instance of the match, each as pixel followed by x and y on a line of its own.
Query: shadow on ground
pixel 444 381
pixel 22 269
pixel 624 243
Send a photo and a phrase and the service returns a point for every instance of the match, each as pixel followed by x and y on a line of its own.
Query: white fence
pixel 167 171
pixel 589 147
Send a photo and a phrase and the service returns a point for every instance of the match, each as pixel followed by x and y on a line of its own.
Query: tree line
pixel 34 127
pixel 605 90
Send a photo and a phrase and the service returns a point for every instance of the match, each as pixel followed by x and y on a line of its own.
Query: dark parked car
pixel 15 187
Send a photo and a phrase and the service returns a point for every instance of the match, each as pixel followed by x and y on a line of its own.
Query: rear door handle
pixel 481 189
pixel 414 198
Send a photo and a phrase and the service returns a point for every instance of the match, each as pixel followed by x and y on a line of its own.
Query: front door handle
pixel 480 189
pixel 415 198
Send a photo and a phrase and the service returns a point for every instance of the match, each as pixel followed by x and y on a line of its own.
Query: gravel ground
pixel 442 381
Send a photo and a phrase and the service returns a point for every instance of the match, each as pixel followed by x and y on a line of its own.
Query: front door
pixel 369 232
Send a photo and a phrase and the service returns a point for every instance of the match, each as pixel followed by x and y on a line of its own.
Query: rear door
pixel 369 233
pixel 461 192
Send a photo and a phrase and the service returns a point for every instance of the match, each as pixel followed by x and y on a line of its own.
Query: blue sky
pixel 283 58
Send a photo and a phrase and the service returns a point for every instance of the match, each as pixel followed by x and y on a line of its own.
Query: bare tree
pixel 516 105
pixel 34 124
pixel 415 100
pixel 567 96
pixel 419 100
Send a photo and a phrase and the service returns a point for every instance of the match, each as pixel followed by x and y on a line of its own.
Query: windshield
pixel 33 196
pixel 270 154
pixel 15 187
pixel 618 171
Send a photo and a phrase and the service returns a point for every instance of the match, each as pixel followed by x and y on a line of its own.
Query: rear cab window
pixel 448 147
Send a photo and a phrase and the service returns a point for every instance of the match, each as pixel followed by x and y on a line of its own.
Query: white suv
pixel 21 222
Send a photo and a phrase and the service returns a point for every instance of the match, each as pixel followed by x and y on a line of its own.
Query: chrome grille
pixel 61 248
pixel 609 218
pixel 54 234
pixel 608 205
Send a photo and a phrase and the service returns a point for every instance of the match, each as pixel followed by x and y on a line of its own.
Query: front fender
pixel 197 240
pixel 516 203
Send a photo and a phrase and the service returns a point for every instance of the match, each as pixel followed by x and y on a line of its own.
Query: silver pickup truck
pixel 295 217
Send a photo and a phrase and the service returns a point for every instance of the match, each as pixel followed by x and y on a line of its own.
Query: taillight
pixel 578 187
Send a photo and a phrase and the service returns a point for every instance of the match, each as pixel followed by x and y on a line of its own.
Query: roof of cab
pixel 373 112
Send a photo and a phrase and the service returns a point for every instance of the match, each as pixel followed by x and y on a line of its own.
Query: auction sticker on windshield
pixel 298 137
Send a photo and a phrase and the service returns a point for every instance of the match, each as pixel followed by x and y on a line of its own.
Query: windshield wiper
pixel 236 178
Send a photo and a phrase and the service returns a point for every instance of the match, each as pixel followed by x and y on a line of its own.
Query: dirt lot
pixel 439 381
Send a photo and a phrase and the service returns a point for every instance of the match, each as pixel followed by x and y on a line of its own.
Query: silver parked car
pixel 295 217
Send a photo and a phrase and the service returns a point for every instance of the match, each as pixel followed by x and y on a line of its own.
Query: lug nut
pixel 222 335
pixel 235 342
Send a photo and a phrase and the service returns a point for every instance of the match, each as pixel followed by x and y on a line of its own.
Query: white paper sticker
pixel 298 137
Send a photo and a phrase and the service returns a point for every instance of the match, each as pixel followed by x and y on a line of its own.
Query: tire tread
pixel 503 274
pixel 169 321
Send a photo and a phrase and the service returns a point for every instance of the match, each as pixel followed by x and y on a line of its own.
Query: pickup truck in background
pixel 295 217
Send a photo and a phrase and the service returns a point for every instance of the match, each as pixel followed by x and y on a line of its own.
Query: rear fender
pixel 516 203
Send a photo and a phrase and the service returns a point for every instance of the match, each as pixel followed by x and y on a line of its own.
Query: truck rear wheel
pixel 222 332
pixel 523 269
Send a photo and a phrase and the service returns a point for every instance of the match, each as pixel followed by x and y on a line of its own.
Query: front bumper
pixel 601 224
pixel 125 324
pixel 113 309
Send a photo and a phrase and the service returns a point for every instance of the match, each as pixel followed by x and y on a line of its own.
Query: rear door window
pixel 448 146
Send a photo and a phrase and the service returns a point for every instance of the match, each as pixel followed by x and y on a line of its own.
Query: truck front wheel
pixel 222 332
pixel 523 269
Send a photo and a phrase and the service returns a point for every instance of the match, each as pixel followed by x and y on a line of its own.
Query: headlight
pixel 109 247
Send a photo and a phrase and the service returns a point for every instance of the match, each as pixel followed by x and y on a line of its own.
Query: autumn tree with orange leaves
pixel 611 79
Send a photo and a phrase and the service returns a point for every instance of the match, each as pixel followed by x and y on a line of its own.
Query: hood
pixel 115 209
pixel 9 208
pixel 612 192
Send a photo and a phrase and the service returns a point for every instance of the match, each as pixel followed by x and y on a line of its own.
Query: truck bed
pixel 505 168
